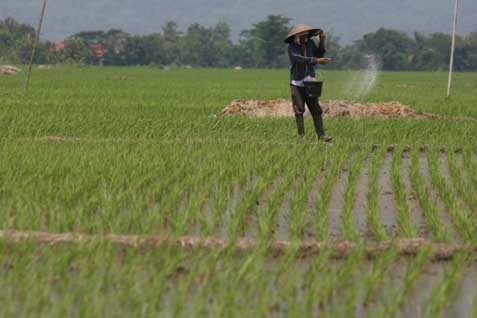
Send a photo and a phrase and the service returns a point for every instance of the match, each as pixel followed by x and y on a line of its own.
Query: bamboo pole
pixel 451 64
pixel 35 45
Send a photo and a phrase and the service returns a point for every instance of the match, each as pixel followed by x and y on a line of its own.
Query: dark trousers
pixel 299 99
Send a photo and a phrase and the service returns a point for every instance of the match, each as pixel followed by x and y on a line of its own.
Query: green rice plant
pixel 347 285
pixel 470 166
pixel 267 218
pixel 429 209
pixel 403 218
pixel 300 195
pixel 348 220
pixel 396 297
pixel 374 217
pixel 314 286
pixel 465 190
pixel 375 277
pixel 443 291
pixel 333 172
pixel 458 216
pixel 249 201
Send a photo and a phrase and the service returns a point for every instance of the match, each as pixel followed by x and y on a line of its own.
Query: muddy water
pixel 386 201
pixel 417 216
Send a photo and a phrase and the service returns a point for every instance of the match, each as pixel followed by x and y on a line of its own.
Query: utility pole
pixel 451 64
pixel 35 45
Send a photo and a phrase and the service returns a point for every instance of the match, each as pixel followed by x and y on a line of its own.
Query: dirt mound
pixel 283 108
pixel 9 70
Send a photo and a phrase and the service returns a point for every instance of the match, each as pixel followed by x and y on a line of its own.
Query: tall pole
pixel 35 45
pixel 451 64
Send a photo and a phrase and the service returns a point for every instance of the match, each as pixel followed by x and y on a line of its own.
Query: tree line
pixel 261 46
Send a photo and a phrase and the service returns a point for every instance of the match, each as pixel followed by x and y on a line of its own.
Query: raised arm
pixel 320 50
pixel 296 56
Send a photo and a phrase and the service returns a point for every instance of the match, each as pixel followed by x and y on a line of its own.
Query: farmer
pixel 304 55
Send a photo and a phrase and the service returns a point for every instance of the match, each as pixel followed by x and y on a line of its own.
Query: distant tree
pixel 76 50
pixel 264 41
pixel 394 48
pixel 115 46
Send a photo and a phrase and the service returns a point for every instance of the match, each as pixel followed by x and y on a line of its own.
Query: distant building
pixel 59 46
pixel 97 50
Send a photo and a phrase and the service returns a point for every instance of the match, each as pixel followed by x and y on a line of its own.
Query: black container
pixel 313 88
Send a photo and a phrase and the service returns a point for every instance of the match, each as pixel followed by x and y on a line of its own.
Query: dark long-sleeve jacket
pixel 303 59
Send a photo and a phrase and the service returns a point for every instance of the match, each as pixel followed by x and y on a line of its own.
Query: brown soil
pixel 283 108
pixel 9 70
pixel 305 249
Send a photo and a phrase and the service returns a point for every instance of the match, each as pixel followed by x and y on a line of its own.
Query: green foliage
pixel 261 46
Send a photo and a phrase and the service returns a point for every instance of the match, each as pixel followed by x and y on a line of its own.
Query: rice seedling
pixel 406 228
pixel 459 216
pixel 397 296
pixel 322 213
pixel 348 224
pixel 300 195
pixel 429 209
pixel 374 217
pixel 442 291
pixel 464 189
pixel 374 278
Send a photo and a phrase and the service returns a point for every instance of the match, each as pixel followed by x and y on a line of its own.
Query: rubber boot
pixel 319 127
pixel 300 125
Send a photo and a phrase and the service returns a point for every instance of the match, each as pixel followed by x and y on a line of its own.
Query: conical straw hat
pixel 301 28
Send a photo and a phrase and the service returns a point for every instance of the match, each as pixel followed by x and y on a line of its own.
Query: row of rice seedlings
pixel 101 197
pixel 248 203
pixel 374 278
pixel 348 220
pixel 389 307
pixel 288 282
pixel 267 218
pixel 429 209
pixel 343 300
pixel 168 181
pixel 471 167
pixel 333 171
pixel 236 285
pixel 200 191
pixel 443 292
pixel 374 218
pixel 230 193
pixel 458 216
pixel 236 173
pixel 314 285
pixel 314 165
pixel 83 281
pixel 186 298
pixel 169 205
pixel 465 190
pixel 156 198
pixel 403 218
